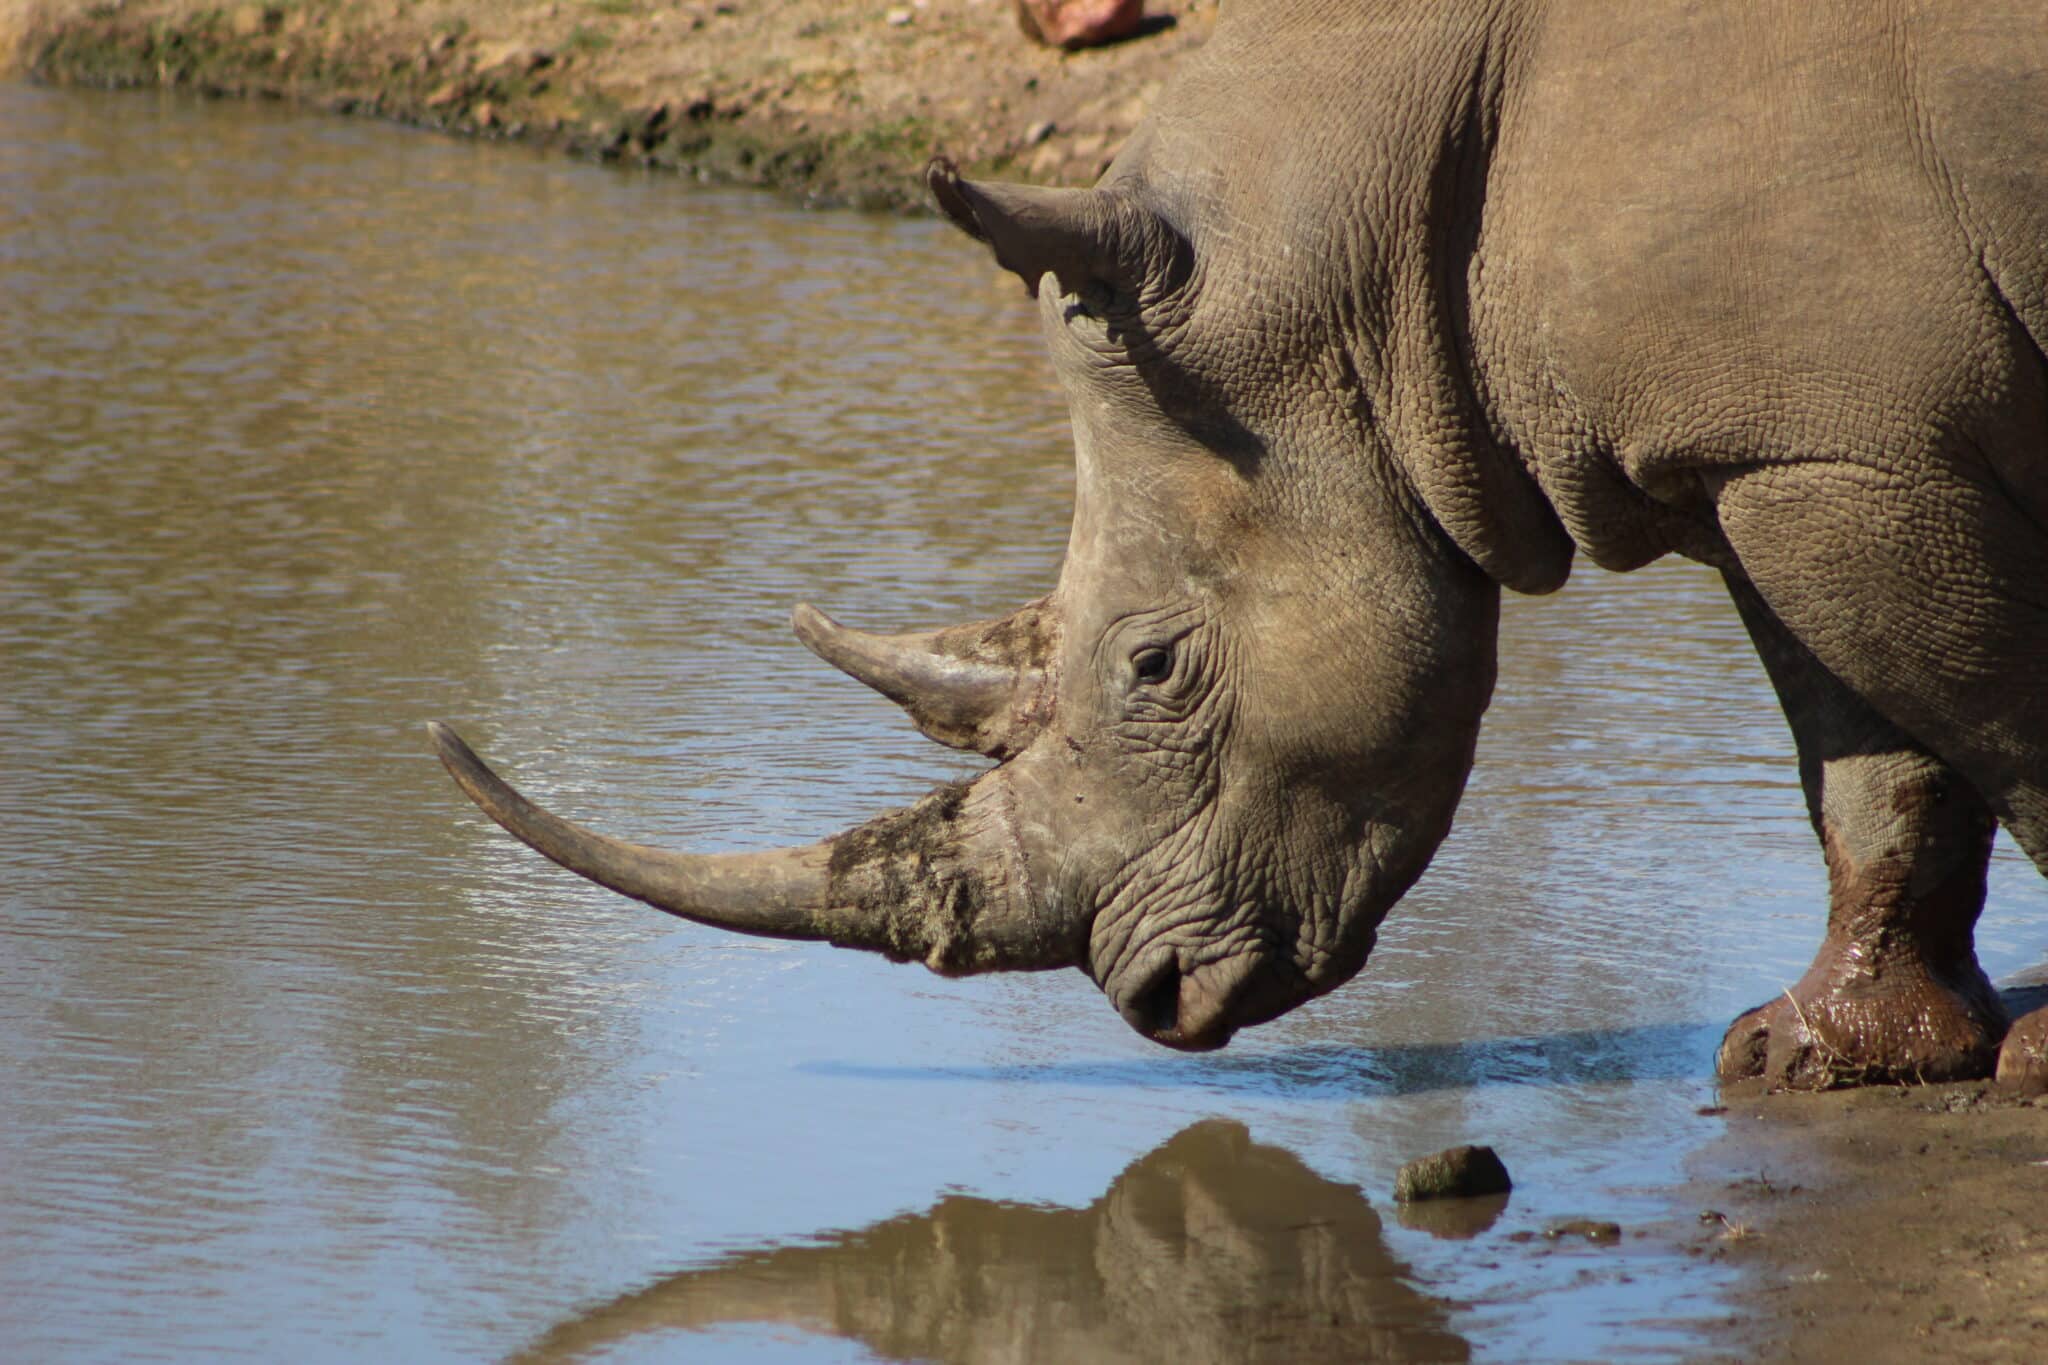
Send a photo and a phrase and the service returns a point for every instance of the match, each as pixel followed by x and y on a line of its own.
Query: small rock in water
pixel 1592 1229
pixel 1452 1174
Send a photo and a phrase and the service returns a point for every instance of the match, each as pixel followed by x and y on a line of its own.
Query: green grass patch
pixel 898 139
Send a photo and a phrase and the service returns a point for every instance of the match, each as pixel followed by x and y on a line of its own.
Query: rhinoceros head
pixel 1232 735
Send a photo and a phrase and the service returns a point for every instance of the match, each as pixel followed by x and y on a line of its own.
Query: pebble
pixel 1453 1173
pixel 1592 1229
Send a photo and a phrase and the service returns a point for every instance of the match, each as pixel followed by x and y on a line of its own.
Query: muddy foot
pixel 1902 1027
pixel 2023 1058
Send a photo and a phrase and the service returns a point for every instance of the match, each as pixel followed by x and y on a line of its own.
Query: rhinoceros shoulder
pixel 1726 235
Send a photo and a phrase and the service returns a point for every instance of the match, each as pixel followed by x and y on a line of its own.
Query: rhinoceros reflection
pixel 1212 1247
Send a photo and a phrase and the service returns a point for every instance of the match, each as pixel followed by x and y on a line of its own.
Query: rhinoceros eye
pixel 1152 665
pixel 1076 308
pixel 1094 301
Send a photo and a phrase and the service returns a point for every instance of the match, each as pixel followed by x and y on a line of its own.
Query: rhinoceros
pixel 1390 306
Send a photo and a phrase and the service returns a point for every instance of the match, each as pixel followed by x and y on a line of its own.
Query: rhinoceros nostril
pixel 1154 1008
pixel 1180 1010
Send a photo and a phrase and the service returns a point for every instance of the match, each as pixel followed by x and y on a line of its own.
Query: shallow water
pixel 313 430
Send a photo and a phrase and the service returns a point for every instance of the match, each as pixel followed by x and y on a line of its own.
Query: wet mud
pixel 1895 1223
pixel 1891 1223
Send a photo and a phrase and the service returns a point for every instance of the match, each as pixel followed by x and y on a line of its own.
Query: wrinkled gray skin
pixel 1390 305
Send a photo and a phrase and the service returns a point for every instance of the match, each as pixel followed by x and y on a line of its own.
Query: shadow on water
pixel 1579 1057
pixel 1211 1247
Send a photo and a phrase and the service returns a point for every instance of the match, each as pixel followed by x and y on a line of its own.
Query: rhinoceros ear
pixel 1092 241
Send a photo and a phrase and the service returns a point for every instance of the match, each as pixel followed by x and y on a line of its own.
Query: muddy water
pixel 313 430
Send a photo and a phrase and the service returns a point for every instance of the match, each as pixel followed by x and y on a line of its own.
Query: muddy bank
pixel 839 103
pixel 1885 1224
pixel 1895 1223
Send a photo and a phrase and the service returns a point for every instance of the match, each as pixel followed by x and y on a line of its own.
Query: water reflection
pixel 1210 1248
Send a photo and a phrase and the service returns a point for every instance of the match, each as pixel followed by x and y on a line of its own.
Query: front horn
pixel 932 883
pixel 983 687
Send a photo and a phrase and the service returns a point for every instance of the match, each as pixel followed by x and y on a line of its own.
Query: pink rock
pixel 1078 23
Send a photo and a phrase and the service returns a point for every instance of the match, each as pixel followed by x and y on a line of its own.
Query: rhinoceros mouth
pixel 1152 1008
pixel 1201 1007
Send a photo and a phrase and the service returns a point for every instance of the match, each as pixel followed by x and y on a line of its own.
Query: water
pixel 313 430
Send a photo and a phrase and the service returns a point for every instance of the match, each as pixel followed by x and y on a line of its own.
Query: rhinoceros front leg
pixel 1895 993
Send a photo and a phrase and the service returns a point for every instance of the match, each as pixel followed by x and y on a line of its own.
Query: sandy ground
pixel 1882 1225
pixel 842 102
pixel 1891 1225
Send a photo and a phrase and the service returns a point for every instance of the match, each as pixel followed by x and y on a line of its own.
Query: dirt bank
pixel 1895 1225
pixel 839 102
